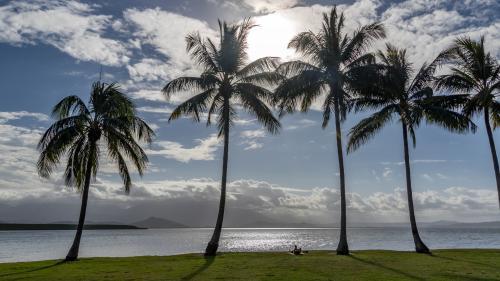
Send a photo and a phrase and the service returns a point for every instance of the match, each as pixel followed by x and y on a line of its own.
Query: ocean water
pixel 53 244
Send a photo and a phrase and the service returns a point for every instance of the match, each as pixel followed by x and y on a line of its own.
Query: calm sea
pixel 42 245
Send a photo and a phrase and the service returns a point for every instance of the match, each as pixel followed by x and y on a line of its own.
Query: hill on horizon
pixel 156 222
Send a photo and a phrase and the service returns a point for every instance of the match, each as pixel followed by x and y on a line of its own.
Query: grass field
pixel 320 265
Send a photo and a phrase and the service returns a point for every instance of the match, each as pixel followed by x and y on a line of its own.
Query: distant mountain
pixel 52 226
pixel 155 222
pixel 476 225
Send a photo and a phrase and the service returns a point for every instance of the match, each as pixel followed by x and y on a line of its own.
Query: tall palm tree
pixel 226 81
pixel 395 93
pixel 81 131
pixel 333 70
pixel 477 74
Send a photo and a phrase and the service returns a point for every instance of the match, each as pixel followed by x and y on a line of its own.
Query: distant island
pixel 155 222
pixel 61 226
pixel 158 223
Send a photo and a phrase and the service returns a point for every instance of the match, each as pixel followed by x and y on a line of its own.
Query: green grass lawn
pixel 320 265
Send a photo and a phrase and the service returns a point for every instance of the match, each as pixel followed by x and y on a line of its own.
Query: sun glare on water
pixel 270 37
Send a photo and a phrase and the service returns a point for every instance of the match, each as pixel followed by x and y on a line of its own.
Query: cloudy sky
pixel 50 49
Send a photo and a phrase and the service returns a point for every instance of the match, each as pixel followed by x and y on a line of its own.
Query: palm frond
pixel 202 54
pixel 368 127
pixel 68 106
pixel 293 68
pixel 253 104
pixel 204 82
pixel 299 91
pixel 361 40
pixel 193 106
pixel 265 64
pixel 307 44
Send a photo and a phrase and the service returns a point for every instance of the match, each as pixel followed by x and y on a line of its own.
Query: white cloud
pixel 14 115
pixel 387 172
pixel 270 5
pixel 69 26
pixel 252 134
pixel 303 123
pixel 259 6
pixel 150 109
pixel 204 150
pixel 427 177
pixel 251 139
pixel 419 161
pixel 166 32
pixel 149 95
pixel 153 70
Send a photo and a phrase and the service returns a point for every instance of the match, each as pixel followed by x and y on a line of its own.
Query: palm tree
pixel 79 133
pixel 476 73
pixel 225 82
pixel 412 100
pixel 336 63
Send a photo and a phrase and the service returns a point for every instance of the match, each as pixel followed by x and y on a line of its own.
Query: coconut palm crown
pixel 333 70
pixel 227 81
pixel 81 131
pixel 397 93
pixel 476 73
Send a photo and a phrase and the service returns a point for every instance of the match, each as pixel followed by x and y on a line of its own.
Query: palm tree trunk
pixel 342 248
pixel 73 251
pixel 213 245
pixel 420 247
pixel 493 150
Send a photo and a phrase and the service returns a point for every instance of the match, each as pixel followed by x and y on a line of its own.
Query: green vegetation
pixel 360 265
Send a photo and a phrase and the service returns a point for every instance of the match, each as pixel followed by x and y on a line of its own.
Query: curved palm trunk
pixel 493 150
pixel 73 251
pixel 420 247
pixel 342 248
pixel 213 245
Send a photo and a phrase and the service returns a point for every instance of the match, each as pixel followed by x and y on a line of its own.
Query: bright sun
pixel 270 37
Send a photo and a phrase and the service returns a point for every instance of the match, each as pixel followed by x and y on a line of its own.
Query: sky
pixel 51 49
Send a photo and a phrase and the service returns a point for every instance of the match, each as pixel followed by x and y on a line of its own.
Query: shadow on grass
pixel 467 278
pixel 208 262
pixel 34 269
pixel 465 261
pixel 381 266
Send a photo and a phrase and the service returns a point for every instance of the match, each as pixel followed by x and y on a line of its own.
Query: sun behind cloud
pixel 270 37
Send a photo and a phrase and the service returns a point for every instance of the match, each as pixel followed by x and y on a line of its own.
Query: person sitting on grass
pixel 296 251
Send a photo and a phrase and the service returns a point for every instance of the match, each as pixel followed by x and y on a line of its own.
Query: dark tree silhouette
pixel 394 93
pixel 477 74
pixel 109 120
pixel 227 80
pixel 333 70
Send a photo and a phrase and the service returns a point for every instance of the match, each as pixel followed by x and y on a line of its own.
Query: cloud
pixel 148 95
pixel 387 172
pixel 14 115
pixel 419 161
pixel 150 109
pixel 194 201
pixel 303 123
pixel 204 150
pixel 426 27
pixel 154 70
pixel 251 139
pixel 259 6
pixel 165 32
pixel 69 26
